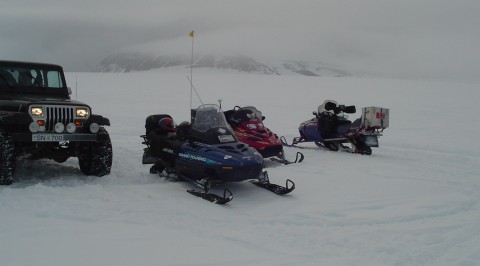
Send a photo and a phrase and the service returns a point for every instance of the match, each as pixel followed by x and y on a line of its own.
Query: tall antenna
pixel 195 89
pixel 192 35
pixel 76 88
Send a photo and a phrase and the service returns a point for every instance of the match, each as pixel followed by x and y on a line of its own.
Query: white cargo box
pixel 375 116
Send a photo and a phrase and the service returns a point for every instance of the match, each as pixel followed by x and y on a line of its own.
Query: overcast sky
pixel 428 37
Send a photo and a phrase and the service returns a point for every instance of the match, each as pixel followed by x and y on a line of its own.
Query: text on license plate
pixel 47 137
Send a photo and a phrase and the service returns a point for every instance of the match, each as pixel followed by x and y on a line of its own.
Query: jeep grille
pixel 58 114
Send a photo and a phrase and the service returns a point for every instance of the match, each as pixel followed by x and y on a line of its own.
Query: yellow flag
pixel 191 34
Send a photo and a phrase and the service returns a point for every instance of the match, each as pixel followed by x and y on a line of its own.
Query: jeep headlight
pixel 36 111
pixel 82 112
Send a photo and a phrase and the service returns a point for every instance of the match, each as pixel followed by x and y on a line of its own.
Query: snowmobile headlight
pixel 36 111
pixel 82 112
pixel 252 126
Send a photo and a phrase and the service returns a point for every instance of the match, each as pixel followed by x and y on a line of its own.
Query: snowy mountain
pixel 130 62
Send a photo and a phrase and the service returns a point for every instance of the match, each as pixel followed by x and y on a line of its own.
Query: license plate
pixel 47 138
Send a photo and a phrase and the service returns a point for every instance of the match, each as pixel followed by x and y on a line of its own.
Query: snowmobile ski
pixel 298 159
pixel 205 184
pixel 293 144
pixel 227 196
pixel 264 182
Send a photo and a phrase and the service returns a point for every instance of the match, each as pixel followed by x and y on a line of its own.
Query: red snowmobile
pixel 247 123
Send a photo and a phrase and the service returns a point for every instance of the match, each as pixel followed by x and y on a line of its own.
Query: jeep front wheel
pixel 7 159
pixel 96 157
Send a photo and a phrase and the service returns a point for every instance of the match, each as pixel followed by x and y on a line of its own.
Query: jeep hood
pixel 20 103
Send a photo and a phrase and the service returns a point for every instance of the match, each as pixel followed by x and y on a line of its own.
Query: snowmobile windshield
pixel 209 116
pixel 210 126
pixel 257 114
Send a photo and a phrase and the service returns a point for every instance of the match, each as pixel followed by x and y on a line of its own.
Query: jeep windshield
pixel 32 78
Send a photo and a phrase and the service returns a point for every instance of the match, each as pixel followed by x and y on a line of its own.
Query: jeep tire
pixel 7 159
pixel 95 158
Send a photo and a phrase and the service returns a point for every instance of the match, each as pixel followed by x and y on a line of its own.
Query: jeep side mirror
pixel 69 90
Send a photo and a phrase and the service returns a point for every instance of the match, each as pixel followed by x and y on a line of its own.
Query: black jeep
pixel 38 120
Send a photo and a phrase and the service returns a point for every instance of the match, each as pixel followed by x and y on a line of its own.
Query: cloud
pixel 429 37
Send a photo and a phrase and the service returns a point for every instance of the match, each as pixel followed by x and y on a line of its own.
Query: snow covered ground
pixel 414 201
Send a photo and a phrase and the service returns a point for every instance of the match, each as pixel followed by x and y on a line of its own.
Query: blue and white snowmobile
pixel 331 128
pixel 205 152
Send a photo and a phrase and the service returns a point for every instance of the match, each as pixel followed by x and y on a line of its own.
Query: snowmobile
pixel 247 123
pixel 204 152
pixel 331 128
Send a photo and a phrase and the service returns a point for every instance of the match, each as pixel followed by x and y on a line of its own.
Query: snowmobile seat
pixel 240 116
pixel 327 124
pixel 151 123
pixel 183 130
pixel 164 146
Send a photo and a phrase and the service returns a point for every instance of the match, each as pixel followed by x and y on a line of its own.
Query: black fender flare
pixel 14 122
pixel 100 120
